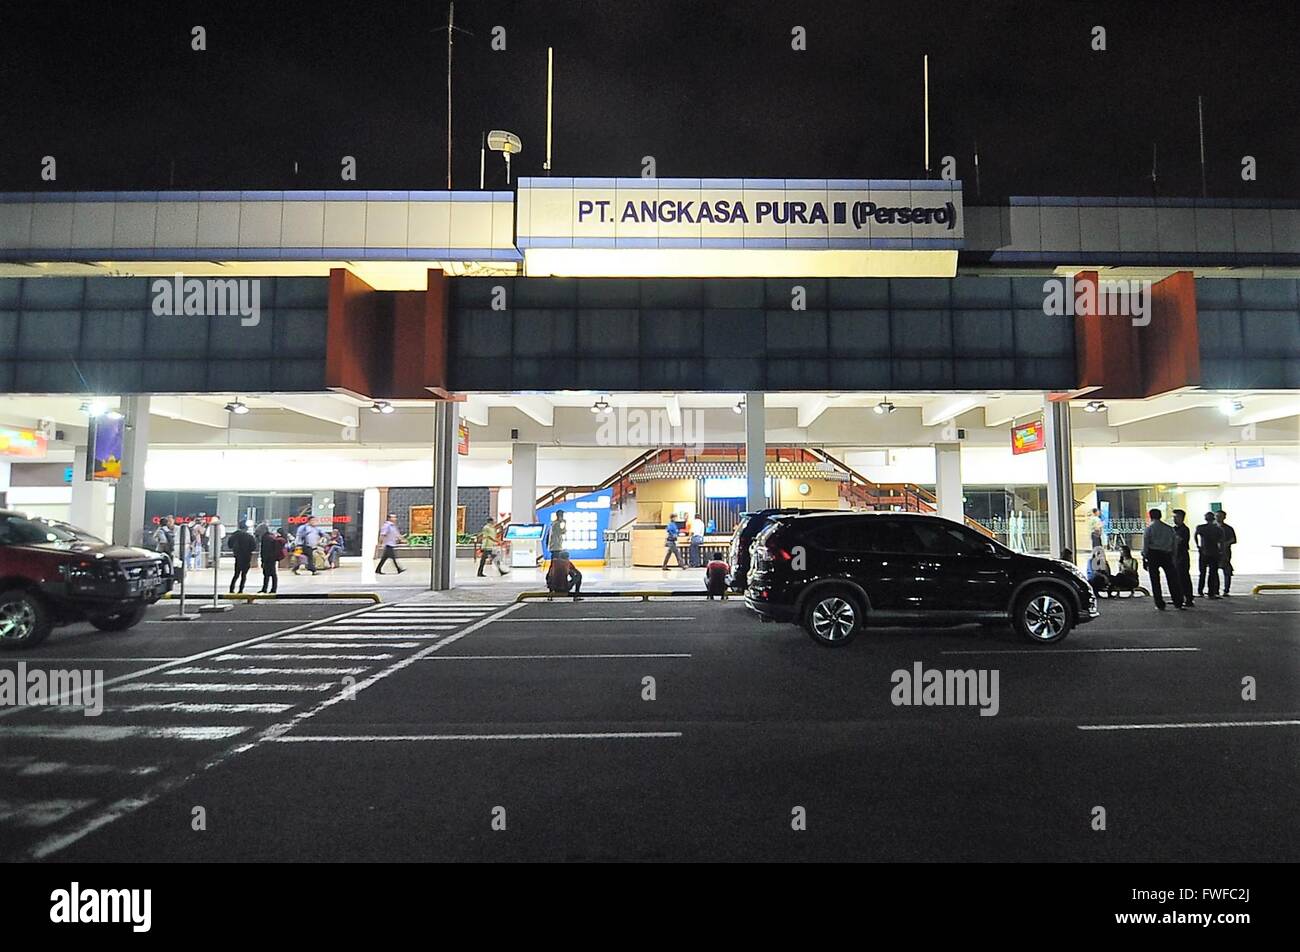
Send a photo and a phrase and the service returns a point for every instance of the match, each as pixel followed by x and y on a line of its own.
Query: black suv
pixel 834 572
pixel 749 526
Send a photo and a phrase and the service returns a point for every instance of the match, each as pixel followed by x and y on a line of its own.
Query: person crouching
pixel 563 577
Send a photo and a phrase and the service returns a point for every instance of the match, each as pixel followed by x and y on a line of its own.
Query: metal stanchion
pixel 180 614
pixel 216 605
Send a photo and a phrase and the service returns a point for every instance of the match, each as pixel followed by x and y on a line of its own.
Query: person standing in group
pixel 1158 544
pixel 198 541
pixel 697 541
pixel 1183 554
pixel 1209 539
pixel 671 532
pixel 1225 557
pixel 271 551
pixel 489 542
pixel 389 537
pixel 308 539
pixel 242 547
pixel 1096 530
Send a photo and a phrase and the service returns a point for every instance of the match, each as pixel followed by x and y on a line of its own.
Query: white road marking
pixel 335 630
pixel 195 687
pixel 182 707
pixel 261 671
pixel 1272 611
pixel 622 618
pixel 1048 650
pixel 40 812
pixel 304 657
pixel 382 738
pixel 123 732
pixel 539 657
pixel 1157 727
pixel 31 767
pixel 338 644
pixel 188 659
pixel 378 638
pixel 127 805
pixel 31 661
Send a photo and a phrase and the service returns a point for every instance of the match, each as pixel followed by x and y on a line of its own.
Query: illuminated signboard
pixel 462 442
pixel 1028 438
pixel 104 462
pixel 25 444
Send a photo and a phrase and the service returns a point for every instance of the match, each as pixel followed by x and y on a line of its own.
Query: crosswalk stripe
pixel 260 671
pixel 107 732
pixel 271 646
pixel 182 707
pixel 378 638
pixel 367 629
pixel 305 657
pixel 31 767
pixel 39 812
pixel 195 687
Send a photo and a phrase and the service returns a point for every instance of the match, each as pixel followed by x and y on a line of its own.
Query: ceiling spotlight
pixel 237 407
pixel 884 406
pixel 94 407
pixel 1094 406
pixel 602 406
pixel 1229 407
pixel 381 406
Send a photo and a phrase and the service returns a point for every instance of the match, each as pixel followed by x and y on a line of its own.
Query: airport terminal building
pixel 636 351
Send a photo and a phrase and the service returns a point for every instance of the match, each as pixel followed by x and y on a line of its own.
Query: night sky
pixel 115 93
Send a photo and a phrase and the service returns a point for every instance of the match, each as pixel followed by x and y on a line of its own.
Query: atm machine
pixel 525 540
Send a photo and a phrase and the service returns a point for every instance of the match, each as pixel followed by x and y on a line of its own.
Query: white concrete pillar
pixel 128 500
pixel 89 509
pixel 371 520
pixel 1060 477
pixel 6 475
pixel 442 559
pixel 523 482
pixel 947 479
pixel 755 451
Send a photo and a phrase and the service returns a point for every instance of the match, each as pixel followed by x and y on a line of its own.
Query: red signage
pixel 1028 438
pixel 337 520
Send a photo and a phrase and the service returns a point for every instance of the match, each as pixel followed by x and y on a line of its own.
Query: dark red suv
pixel 52 573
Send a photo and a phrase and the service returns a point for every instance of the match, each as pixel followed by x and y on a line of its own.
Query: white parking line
pixel 304 657
pixel 40 812
pixel 356 629
pixel 540 657
pixel 1159 727
pixel 384 738
pixel 31 767
pixel 182 707
pixel 337 645
pixel 30 661
pixel 627 618
pixel 1048 650
pixel 197 687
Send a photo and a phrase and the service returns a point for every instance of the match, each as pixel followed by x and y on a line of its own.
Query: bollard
pixel 216 605
pixel 180 614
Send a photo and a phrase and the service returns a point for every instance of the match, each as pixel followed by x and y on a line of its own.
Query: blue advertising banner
pixel 104 461
pixel 585 521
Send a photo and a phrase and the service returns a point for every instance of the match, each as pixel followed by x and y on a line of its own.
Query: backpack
pixel 280 550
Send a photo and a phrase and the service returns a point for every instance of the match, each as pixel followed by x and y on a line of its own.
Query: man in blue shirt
pixel 670 543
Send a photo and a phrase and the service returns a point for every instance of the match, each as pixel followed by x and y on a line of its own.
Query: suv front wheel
pixel 120 621
pixel 24 619
pixel 832 617
pixel 1043 614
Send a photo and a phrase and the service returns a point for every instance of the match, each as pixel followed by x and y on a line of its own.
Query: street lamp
pixel 507 143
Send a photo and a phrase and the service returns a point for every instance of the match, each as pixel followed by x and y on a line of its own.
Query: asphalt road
pixel 462 717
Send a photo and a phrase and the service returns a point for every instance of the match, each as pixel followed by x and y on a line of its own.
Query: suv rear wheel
pixel 1043 614
pixel 832 617
pixel 120 621
pixel 24 619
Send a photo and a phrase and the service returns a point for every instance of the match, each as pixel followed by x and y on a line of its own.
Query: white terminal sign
pixel 739 213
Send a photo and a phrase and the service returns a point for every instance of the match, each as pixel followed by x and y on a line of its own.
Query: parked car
pixel 52 574
pixel 742 538
pixel 832 573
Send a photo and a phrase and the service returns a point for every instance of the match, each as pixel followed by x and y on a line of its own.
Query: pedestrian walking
pixel 1209 540
pixel 489 543
pixel 1225 558
pixel 271 551
pixel 242 547
pixel 389 537
pixel 308 539
pixel 1158 543
pixel 671 533
pixel 164 537
pixel 1183 554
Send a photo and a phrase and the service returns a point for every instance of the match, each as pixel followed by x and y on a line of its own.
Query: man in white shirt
pixel 697 540
pixel 388 538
